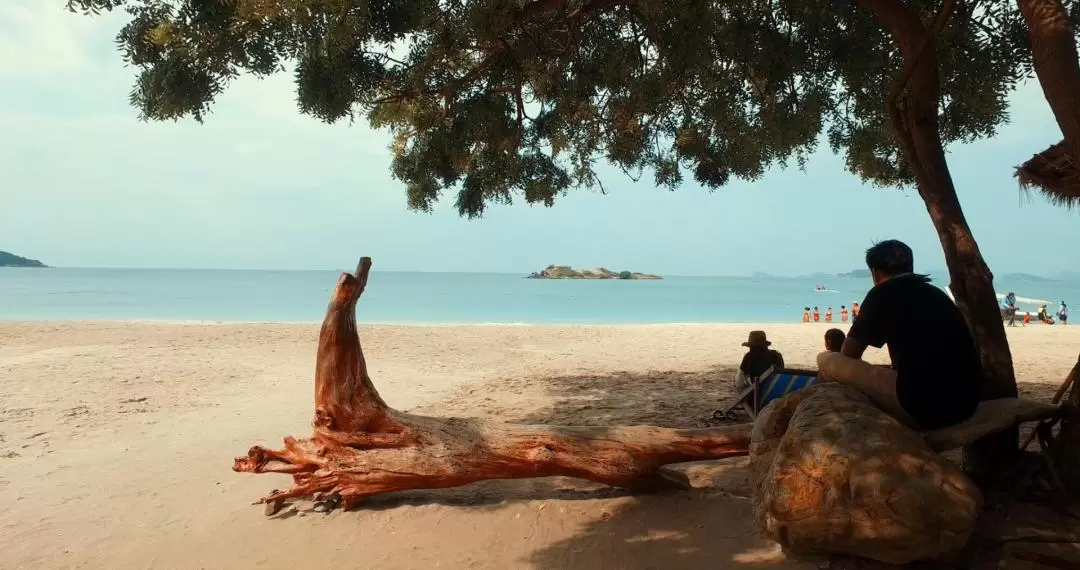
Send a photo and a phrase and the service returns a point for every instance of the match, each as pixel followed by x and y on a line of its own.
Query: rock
pixel 833 474
pixel 271 508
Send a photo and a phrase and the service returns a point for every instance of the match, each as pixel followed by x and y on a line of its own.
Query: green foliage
pixel 496 97
pixel 626 275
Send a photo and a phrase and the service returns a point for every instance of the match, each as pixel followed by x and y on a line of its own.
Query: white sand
pixel 116 442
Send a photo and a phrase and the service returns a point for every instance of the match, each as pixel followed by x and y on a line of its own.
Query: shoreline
pixel 417 324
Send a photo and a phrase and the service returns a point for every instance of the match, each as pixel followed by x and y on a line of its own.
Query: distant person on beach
pixel 817 315
pixel 933 381
pixel 1044 316
pixel 1008 308
pixel 843 314
pixel 854 310
pixel 1027 318
pixel 806 314
pixel 1063 314
pixel 828 315
pixel 757 360
pixel 834 340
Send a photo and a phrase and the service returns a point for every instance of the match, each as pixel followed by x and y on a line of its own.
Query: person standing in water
pixel 1063 314
pixel 843 314
pixel 828 315
pixel 817 315
pixel 806 314
pixel 854 310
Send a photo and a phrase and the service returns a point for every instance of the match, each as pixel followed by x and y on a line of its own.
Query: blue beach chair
pixel 775 383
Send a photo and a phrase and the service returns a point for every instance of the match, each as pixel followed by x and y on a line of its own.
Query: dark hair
pixel 890 257
pixel 834 339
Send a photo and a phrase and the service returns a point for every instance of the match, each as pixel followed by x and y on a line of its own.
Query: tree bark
pixel 1053 51
pixel 361 447
pixel 1069 448
pixel 916 126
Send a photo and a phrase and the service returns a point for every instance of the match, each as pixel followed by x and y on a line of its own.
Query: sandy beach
pixel 116 442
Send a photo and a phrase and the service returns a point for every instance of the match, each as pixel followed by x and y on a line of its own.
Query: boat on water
pixel 1023 305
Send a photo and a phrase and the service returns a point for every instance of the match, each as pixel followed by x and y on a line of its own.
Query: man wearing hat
pixel 756 360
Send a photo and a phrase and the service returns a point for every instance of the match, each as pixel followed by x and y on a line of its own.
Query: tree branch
pixel 530 12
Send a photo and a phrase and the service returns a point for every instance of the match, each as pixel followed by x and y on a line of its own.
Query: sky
pixel 84 183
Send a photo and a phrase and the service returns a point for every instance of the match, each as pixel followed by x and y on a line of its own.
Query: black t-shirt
pixel 932 350
pixel 757 360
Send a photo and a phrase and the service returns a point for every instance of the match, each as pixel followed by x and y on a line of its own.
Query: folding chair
pixel 773 384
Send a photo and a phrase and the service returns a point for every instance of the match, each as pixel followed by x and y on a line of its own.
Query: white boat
pixel 1033 307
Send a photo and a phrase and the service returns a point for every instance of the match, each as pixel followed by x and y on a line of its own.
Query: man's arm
pixel 868 329
pixel 853 347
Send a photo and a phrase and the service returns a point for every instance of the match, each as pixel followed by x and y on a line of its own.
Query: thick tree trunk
pixel 1069 450
pixel 1053 50
pixel 916 127
pixel 361 447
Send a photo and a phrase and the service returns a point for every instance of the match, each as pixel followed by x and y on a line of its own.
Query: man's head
pixel 834 339
pixel 889 258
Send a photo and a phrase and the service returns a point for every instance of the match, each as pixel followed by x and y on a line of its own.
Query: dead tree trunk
pixel 915 123
pixel 361 447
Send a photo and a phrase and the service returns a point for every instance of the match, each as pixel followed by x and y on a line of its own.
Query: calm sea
pixel 432 298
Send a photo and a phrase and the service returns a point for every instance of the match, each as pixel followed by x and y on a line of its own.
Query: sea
pixel 392 297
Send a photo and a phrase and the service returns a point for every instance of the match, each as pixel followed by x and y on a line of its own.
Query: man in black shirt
pixel 933 382
pixel 757 360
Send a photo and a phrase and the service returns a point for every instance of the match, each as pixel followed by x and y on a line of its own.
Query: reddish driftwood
pixel 361 447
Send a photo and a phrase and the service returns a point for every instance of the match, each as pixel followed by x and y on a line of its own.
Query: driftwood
pixel 990 417
pixel 361 447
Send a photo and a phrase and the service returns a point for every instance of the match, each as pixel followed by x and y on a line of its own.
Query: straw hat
pixel 757 339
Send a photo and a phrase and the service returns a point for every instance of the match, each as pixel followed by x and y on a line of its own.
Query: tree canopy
pixel 497 98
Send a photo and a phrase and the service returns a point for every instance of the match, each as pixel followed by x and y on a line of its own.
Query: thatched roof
pixel 1054 174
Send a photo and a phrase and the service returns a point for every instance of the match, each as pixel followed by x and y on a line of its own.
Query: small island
pixel 12 260
pixel 567 272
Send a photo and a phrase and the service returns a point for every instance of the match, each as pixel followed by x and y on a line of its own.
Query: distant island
pixel 12 260
pixel 856 273
pixel 567 272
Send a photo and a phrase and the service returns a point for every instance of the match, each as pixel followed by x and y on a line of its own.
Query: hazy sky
pixel 84 183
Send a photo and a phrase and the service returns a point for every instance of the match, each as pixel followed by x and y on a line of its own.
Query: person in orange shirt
pixel 817 315
pixel 806 314
pixel 828 315
pixel 843 314
pixel 1027 318
pixel 854 311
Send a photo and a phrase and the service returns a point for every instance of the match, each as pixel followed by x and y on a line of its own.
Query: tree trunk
pixel 916 126
pixel 1053 50
pixel 361 447
pixel 1069 448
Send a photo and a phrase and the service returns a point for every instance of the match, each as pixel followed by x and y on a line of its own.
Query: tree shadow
pixel 712 525
pixel 674 399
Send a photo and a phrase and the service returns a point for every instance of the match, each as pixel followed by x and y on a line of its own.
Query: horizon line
pixel 819 274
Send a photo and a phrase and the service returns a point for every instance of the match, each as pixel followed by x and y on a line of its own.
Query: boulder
pixel 833 474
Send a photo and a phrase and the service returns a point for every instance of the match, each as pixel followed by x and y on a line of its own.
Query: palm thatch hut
pixel 1054 174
